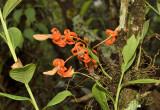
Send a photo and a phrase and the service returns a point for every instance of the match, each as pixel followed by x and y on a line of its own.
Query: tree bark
pixel 132 16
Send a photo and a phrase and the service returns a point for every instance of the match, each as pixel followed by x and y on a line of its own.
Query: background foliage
pixel 39 17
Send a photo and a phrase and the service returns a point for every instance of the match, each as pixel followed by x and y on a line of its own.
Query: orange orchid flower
pixel 91 64
pixel 57 38
pixel 70 37
pixel 83 55
pixel 60 69
pixel 112 33
pixel 77 48
pixel 61 40
pixel 112 38
pixel 95 51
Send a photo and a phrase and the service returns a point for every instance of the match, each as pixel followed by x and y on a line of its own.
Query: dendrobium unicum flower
pixel 83 55
pixel 91 64
pixel 72 37
pixel 112 38
pixel 60 69
pixel 59 39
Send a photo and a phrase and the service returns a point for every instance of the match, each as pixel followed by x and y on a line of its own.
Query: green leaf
pixel 88 21
pixel 129 49
pixel 158 6
pixel 105 90
pixel 42 28
pixel 104 71
pixel 147 9
pixel 21 43
pixel 14 97
pixel 93 55
pixel 9 6
pixel 15 35
pixel 100 96
pixel 124 68
pixel 30 14
pixel 23 74
pixel 58 98
pixel 145 29
pixel 85 7
pixel 141 81
pixel 17 15
pixel 28 33
pixel 97 60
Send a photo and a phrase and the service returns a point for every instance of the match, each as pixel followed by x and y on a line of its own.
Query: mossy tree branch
pixel 132 16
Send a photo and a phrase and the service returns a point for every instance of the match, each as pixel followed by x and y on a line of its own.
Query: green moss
pixel 82 30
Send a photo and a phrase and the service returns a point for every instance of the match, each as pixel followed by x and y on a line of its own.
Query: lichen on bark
pixel 136 16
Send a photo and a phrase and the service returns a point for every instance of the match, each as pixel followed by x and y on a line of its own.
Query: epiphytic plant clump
pixel 81 50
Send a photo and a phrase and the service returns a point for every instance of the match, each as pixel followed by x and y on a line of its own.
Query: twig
pixel 150 89
pixel 81 99
pixel 153 35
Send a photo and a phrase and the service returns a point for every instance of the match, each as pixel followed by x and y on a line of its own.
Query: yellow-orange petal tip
pixel 51 72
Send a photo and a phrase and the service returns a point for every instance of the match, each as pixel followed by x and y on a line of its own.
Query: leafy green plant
pixel 23 74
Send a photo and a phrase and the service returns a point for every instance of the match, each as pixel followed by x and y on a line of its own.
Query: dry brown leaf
pixel 17 64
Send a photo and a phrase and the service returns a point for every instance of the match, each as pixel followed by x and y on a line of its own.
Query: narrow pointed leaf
pixel 100 96
pixel 145 29
pixel 147 9
pixel 88 21
pixel 124 68
pixel 85 7
pixel 104 71
pixel 9 6
pixel 129 49
pixel 97 60
pixel 158 6
pixel 23 74
pixel 105 90
pixel 141 81
pixel 58 98
pixel 93 55
pixel 14 97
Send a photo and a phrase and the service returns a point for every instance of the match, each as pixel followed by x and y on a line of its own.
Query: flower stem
pixel 69 58
pixel 84 75
pixel 32 97
pixel 101 42
pixel 118 92
pixel 8 38
pixel 83 41
pixel 10 45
